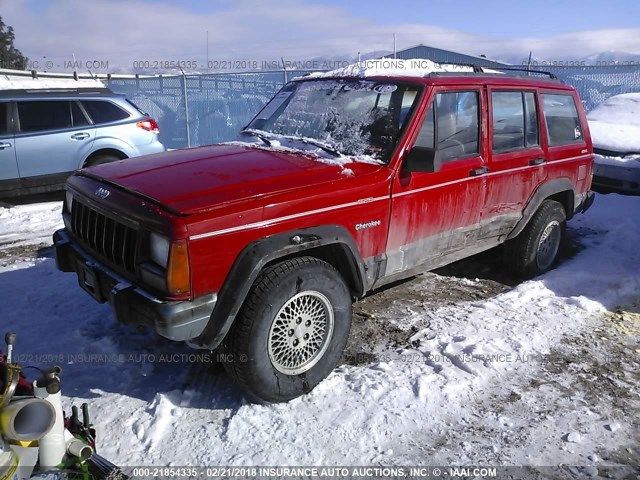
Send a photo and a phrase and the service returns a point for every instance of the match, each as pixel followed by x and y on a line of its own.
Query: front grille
pixel 110 239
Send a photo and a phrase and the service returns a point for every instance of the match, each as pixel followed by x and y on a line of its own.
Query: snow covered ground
pixel 544 374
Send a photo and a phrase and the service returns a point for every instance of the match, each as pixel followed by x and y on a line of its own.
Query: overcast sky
pixel 118 33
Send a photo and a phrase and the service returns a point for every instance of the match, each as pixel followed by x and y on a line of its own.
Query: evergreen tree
pixel 10 56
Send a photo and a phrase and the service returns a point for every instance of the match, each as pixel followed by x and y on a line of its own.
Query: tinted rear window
pixel 44 115
pixel 102 111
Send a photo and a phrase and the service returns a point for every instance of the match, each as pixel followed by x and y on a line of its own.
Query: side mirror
pixel 422 159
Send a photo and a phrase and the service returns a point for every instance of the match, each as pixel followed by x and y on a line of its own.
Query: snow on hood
pixel 615 124
pixel 284 143
pixel 392 67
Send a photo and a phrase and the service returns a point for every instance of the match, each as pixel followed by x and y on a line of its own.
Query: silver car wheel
pixel 300 333
pixel 548 245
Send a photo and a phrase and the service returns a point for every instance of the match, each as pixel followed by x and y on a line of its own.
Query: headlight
pixel 159 247
pixel 69 200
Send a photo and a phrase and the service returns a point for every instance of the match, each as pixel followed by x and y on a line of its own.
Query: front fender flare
pixel 261 252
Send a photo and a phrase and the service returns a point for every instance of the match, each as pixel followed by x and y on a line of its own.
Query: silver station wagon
pixel 47 134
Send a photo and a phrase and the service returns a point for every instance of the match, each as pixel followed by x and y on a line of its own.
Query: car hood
pixel 198 179
pixel 615 137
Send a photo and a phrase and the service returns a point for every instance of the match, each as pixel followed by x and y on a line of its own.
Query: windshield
pixel 350 117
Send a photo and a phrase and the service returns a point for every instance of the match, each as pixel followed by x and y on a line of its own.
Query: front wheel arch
pixel 323 242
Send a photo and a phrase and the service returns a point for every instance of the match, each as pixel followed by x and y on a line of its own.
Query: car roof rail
pixel 551 75
pixel 97 91
pixel 481 69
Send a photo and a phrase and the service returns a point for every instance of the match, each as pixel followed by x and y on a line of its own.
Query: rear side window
pixel 102 111
pixel 4 118
pixel 40 116
pixel 515 121
pixel 561 116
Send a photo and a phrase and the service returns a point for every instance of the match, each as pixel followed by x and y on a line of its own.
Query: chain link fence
pixel 195 110
pixel 597 83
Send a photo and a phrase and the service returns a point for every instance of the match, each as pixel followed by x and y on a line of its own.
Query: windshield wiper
pixel 322 146
pixel 260 134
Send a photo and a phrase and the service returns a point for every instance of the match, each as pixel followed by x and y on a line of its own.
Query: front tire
pixel 291 330
pixel 535 250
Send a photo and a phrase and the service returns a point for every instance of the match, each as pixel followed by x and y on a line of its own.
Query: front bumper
pixel 623 178
pixel 178 321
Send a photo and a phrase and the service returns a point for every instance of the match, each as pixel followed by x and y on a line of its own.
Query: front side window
pixel 38 116
pixel 561 117
pixel 451 126
pixel 349 117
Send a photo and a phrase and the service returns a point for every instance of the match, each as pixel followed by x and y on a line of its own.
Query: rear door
pixel 568 143
pixel 8 163
pixel 516 159
pixel 435 216
pixel 53 137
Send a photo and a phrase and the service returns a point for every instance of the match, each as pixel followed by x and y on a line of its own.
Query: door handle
pixel 4 145
pixel 79 136
pixel 478 171
pixel 537 161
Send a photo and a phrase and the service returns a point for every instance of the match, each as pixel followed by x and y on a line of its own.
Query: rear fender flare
pixel 546 190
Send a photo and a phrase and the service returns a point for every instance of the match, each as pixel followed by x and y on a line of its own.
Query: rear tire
pixel 535 250
pixel 291 331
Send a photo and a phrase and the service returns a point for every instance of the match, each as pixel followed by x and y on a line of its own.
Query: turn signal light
pixel 178 271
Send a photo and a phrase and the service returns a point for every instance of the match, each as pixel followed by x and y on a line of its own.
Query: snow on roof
pixel 615 124
pixel 393 67
pixel 14 82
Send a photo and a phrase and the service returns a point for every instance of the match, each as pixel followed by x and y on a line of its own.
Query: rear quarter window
pixel 102 111
pixel 561 117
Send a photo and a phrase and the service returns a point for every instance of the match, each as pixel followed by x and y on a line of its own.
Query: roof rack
pixel 480 69
pixel 55 91
pixel 520 69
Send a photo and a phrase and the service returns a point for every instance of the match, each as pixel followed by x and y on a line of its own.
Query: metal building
pixel 444 56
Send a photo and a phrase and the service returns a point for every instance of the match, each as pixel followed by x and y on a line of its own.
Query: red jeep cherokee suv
pixel 339 185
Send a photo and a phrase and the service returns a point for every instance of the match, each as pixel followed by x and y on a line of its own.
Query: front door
pixel 435 216
pixel 53 138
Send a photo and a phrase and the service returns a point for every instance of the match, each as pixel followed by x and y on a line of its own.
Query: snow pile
pixel 391 67
pixel 615 124
pixel 29 224
pixel 12 82
pixel 441 399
